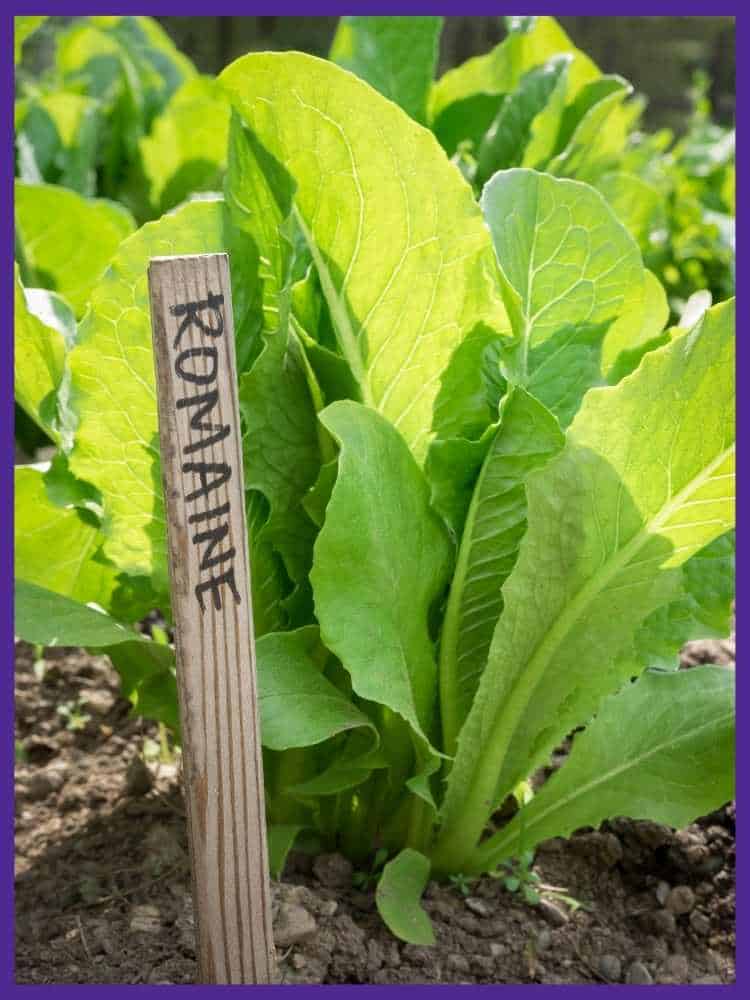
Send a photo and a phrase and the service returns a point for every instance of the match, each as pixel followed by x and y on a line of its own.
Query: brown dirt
pixel 102 887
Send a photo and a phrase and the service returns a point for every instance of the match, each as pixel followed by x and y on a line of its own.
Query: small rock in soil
pixel 680 900
pixel 457 963
pixel 638 975
pixel 44 783
pixel 552 913
pixel 138 779
pixel 676 968
pixel 100 700
pixel 663 922
pixel 661 892
pixel 292 924
pixel 610 968
pixel 543 941
pixel 478 906
pixel 145 919
pixel 700 923
pixel 333 870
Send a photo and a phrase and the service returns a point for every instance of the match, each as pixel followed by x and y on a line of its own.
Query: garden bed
pixel 103 891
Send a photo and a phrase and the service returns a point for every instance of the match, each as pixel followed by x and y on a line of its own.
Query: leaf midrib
pixel 610 775
pixel 506 722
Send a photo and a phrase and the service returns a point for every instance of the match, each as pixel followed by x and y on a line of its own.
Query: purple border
pixel 7 986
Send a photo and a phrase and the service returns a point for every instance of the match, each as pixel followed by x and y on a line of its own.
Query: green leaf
pixel 41 325
pixel 703 609
pixel 186 149
pixel 645 480
pixel 661 749
pixel 146 668
pixel 566 263
pixel 56 140
pixel 395 55
pixel 23 27
pixel 505 141
pixel 298 706
pixel 281 447
pixel 636 203
pixel 281 838
pixel 398 894
pixel 528 436
pixel 637 331
pixel 500 71
pixel 100 55
pixel 116 447
pixel 67 240
pixel 56 547
pixel 380 538
pixel 399 307
pixel 471 386
pixel 452 468
pixel 50 619
pixel 591 136
pixel 464 122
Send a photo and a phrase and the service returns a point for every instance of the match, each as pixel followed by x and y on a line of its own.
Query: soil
pixel 103 893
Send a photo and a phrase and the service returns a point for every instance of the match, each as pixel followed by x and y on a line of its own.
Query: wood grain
pixel 201 458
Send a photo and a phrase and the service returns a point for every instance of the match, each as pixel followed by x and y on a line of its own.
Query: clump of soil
pixel 103 890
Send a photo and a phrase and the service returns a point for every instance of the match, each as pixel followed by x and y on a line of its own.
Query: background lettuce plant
pixel 490 486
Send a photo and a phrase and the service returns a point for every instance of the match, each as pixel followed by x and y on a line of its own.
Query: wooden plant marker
pixel 199 430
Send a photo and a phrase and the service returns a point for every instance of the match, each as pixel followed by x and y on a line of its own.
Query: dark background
pixel 657 54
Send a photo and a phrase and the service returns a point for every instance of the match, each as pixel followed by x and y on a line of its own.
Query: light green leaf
pixel 298 706
pixel 505 142
pixel 636 203
pixel 399 307
pixel 380 538
pixel 57 547
pixel 661 749
pixel 566 263
pixel 638 330
pixel 398 894
pixel 67 240
pixel 645 480
pixel 116 446
pixel 527 437
pixel 23 27
pixel 161 68
pixel 500 70
pixel 186 149
pixel 591 135
pixel 40 330
pixel 56 140
pixel 395 55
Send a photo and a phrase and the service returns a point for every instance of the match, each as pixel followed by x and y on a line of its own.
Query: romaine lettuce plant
pixel 489 494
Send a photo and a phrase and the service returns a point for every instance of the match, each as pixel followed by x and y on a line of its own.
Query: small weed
pixel 74 712
pixel 364 880
pixel 40 664
pixel 518 877
pixel 462 883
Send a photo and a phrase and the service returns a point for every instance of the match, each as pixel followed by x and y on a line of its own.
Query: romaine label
pixel 204 508
pixel 196 368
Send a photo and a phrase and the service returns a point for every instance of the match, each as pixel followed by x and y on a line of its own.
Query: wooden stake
pixel 201 460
